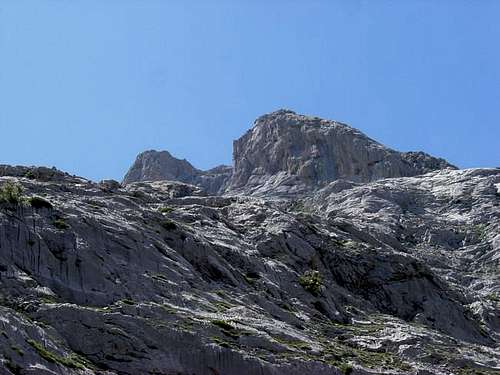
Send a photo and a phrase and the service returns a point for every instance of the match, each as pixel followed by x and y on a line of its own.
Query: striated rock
pixel 156 166
pixel 289 154
pixel 394 276
pixel 153 166
pixel 287 149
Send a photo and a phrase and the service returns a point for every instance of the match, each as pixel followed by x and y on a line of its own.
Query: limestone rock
pixel 287 149
pixel 286 154
pixel 394 276
pixel 161 165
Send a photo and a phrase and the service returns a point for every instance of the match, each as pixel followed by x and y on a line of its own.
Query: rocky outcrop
pixel 161 165
pixel 396 276
pixel 289 154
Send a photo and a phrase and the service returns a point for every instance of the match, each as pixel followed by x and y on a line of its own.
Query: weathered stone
pixel 156 277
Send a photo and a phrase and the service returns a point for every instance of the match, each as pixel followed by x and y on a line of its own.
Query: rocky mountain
pixel 161 165
pixel 286 154
pixel 319 261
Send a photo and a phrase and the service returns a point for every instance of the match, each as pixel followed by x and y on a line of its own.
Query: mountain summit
pixel 286 153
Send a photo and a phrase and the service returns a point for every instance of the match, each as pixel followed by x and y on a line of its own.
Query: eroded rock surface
pixel 161 165
pixel 396 276
pixel 287 154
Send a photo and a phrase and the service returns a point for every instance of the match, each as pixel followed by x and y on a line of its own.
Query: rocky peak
pixel 161 165
pixel 287 149
pixel 155 165
pixel 285 153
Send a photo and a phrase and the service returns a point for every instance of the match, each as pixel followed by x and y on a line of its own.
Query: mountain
pixel 307 258
pixel 286 153
pixel 161 165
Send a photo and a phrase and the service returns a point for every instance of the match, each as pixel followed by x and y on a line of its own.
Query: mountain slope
pixel 392 276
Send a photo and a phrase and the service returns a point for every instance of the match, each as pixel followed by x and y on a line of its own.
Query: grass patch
pixel 338 355
pixel 295 344
pixel 71 361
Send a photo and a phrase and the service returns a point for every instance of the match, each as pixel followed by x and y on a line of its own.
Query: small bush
pixel 311 281
pixel 165 209
pixel 168 225
pixel 60 224
pixel 227 328
pixel 11 193
pixel 39 203
pixel 223 324
pixel 30 175
pixel 346 369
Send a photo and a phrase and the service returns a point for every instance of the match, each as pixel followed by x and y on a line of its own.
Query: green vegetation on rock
pixel 39 203
pixel 60 224
pixel 311 281
pixel 72 361
pixel 11 193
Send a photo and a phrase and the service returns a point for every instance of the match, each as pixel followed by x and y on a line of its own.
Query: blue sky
pixel 85 85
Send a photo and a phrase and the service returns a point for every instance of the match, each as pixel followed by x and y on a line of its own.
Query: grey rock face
pixel 156 166
pixel 287 149
pixel 290 154
pixel 153 165
pixel 396 276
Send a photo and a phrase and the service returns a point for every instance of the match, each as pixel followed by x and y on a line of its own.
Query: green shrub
pixel 60 224
pixel 227 328
pixel 39 203
pixel 165 209
pixel 29 174
pixel 223 324
pixel 168 224
pixel 346 369
pixel 11 193
pixel 311 281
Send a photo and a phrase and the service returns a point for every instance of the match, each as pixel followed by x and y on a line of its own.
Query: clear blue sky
pixel 85 85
